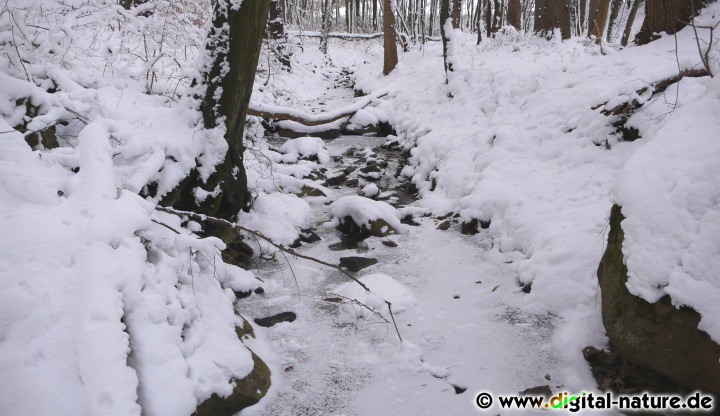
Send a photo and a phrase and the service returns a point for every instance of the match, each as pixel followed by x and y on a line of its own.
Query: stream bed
pixel 469 331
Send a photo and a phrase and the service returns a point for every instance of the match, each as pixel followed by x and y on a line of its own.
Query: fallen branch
pixel 339 35
pixel 258 234
pixel 288 113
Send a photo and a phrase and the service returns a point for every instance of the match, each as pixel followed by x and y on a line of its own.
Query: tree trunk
pixel 233 49
pixel 630 21
pixel 581 16
pixel 375 15
pixel 390 57
pixel 600 19
pixel 514 14
pixel 445 14
pixel 325 25
pixel 552 14
pixel 488 17
pixel 592 12
pixel 614 12
pixel 667 16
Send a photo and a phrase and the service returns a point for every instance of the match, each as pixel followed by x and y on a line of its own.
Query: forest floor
pixel 467 333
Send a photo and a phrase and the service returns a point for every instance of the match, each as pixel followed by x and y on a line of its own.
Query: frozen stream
pixel 468 330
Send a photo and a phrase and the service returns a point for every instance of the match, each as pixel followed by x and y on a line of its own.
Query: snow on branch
pixel 287 113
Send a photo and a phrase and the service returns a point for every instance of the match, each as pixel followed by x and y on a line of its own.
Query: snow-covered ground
pixel 106 310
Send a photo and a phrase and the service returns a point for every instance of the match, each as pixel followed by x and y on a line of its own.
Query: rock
pixel 238 253
pixel 307 235
pixel 389 243
pixel 352 182
pixel 370 168
pixel 296 244
pixel 377 228
pixel 310 191
pixel 269 321
pixel 444 225
pixel 356 263
pixel 459 389
pixel 471 227
pixel 537 391
pixel 350 169
pixel 657 335
pixel 246 393
pixel 335 180
pixel 590 353
pixel 259 290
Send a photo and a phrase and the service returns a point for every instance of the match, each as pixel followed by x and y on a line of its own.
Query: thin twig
pixel 258 234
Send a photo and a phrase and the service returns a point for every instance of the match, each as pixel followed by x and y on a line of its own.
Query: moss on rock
pixel 657 335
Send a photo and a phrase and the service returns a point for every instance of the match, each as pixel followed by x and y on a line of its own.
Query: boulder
pixel 247 391
pixel 269 321
pixel 356 263
pixel 377 228
pixel 657 335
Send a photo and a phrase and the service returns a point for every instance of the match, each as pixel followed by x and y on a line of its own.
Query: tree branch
pixel 258 234
pixel 308 119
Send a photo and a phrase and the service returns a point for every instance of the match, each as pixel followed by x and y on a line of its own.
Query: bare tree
pixel 614 12
pixel 600 19
pixel 630 21
pixel 390 56
pixel 514 14
pixel 232 52
pixel 552 14
pixel 667 16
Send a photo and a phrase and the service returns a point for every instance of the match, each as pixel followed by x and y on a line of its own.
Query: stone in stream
pixel 352 182
pixel 444 225
pixel 537 391
pixel 335 180
pixel 310 191
pixel 389 243
pixel 356 263
pixel 307 235
pixel 269 321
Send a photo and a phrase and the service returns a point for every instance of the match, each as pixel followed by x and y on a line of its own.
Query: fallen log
pixel 276 112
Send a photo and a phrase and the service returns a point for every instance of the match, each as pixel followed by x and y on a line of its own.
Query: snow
pixel 305 147
pixel 364 211
pixel 277 216
pixel 111 307
pixel 382 288
pixel 370 190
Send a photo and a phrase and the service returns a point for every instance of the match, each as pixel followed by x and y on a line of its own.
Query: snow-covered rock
pixel 364 217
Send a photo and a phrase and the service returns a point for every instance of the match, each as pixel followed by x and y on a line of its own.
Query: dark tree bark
pixel 449 9
pixel 552 14
pixel 276 32
pixel 514 14
pixel 488 17
pixel 600 19
pixel 233 47
pixel 666 16
pixel 630 21
pixel 614 13
pixel 390 57
pixel 592 12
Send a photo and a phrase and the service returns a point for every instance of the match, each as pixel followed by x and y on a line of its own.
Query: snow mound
pixel 670 195
pixel 364 211
pixel 370 190
pixel 278 216
pixel 383 287
pixel 307 147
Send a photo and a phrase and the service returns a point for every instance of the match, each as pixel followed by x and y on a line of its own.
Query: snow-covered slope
pixel 518 137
